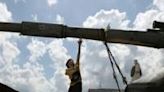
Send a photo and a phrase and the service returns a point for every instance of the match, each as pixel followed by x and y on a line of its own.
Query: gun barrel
pixel 150 39
pixel 157 24
pixel 10 27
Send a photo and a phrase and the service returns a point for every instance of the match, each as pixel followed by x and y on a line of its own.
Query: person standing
pixel 136 72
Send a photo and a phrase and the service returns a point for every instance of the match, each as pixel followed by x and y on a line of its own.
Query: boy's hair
pixel 68 62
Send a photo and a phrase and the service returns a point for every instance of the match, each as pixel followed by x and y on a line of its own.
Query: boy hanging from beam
pixel 73 71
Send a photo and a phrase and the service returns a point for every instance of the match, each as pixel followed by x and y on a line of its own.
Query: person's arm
pixel 79 51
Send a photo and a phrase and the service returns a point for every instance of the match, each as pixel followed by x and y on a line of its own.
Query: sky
pixel 35 64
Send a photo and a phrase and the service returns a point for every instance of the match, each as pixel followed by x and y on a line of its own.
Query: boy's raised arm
pixel 79 51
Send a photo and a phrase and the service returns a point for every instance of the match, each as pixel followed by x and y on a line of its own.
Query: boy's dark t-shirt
pixel 76 77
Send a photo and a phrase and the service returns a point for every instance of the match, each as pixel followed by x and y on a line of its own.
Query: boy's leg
pixel 78 87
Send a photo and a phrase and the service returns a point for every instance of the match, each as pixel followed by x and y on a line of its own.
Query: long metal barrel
pixel 150 38
pixel 157 24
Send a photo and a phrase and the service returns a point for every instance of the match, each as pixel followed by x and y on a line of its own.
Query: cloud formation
pixel 37 49
pixel 159 4
pixel 5 14
pixel 52 2
pixel 59 19
pixel 102 18
pixel 30 75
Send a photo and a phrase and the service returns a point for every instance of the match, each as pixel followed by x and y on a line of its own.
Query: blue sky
pixel 74 11
pixel 33 64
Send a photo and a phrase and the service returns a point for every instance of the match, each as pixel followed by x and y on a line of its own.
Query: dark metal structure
pixel 157 86
pixel 5 88
pixel 150 38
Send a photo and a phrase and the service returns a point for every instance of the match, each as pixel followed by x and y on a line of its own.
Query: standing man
pixel 136 72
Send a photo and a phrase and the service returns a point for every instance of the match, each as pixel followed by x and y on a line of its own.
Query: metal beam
pixel 150 38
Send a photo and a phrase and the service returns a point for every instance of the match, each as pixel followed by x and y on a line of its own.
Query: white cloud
pixel 52 2
pixel 37 49
pixel 102 18
pixel 103 53
pixel 57 51
pixel 159 4
pixel 145 20
pixel 5 14
pixel 29 78
pixel 9 52
pixel 92 66
pixel 72 39
pixel 34 17
pixel 59 19
pixel 96 68
pixel 152 55
pixel 59 54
